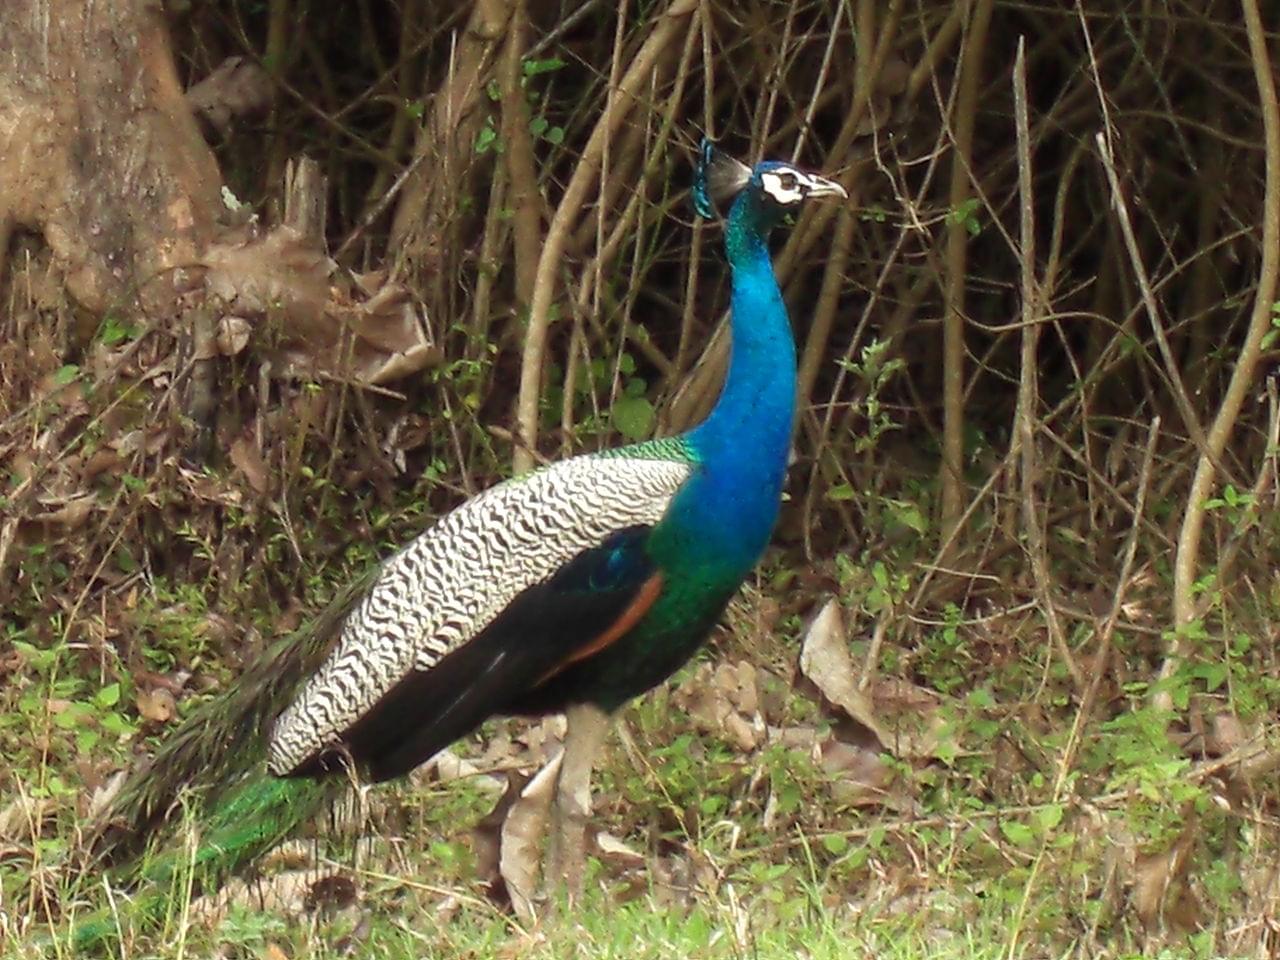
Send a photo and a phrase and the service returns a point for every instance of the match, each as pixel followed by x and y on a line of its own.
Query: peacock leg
pixel 588 726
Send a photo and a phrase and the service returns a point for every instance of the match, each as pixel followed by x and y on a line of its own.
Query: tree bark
pixel 99 153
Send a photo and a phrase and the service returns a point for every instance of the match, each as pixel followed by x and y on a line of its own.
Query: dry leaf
pixel 724 701
pixel 156 705
pixel 521 839
pixel 291 893
pixel 236 87
pixel 278 275
pixel 105 793
pixel 1226 734
pixel 71 512
pixel 889 714
pixel 246 458
pixel 613 850
pixel 1160 892
pixel 233 335
pixel 824 659
pixel 447 765
pixel 390 342
pixel 21 818
pixel 331 892
pixel 863 776
pixel 102 460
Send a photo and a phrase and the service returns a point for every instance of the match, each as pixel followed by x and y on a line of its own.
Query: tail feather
pixel 247 823
pixel 212 767
pixel 221 743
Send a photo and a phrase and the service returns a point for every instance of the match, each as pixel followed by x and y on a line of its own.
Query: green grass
pixel 744 853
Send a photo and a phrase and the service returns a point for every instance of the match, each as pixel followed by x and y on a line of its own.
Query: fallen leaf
pixel 105 793
pixel 21 818
pixel 615 851
pixel 233 335
pixel 70 514
pixel 1160 892
pixel 291 893
pixel 860 777
pixel 724 701
pixel 290 617
pixel 486 839
pixel 246 458
pixel 522 838
pixel 447 765
pixel 1226 734
pixel 887 713
pixel 235 87
pixel 331 892
pixel 156 705
pixel 825 659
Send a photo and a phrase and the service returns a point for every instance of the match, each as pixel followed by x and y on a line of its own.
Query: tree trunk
pixel 99 153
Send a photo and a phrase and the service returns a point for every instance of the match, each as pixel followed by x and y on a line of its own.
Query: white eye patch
pixel 784 187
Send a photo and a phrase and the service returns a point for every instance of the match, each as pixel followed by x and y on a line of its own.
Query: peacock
pixel 573 588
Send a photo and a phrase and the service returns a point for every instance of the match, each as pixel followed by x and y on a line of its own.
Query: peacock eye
pixel 788 181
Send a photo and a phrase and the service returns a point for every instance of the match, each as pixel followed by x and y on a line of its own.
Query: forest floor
pixel 765 803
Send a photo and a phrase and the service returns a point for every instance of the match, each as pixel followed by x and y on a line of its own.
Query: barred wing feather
pixel 445 587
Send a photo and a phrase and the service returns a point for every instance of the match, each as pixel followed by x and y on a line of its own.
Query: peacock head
pixel 772 189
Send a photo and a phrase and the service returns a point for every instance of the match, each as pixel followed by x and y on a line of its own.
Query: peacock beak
pixel 822 187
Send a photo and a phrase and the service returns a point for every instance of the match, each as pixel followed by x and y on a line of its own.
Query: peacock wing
pixel 582 608
pixel 499 594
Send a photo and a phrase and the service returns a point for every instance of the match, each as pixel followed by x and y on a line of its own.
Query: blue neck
pixel 743 444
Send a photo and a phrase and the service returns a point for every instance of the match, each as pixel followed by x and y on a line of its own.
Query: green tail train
pixel 214 766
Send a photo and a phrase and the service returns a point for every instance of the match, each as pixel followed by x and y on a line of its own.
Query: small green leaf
pixel 633 417
pixel 1215 675
pixel 538 126
pixel 909 515
pixel 108 696
pixel 1049 818
pixel 880 575
pixel 486 139
pixel 532 68
pixel 86 740
pixel 555 136
pixel 117 725
pixel 1019 834
pixel 36 658
pixel 835 843
pixel 66 374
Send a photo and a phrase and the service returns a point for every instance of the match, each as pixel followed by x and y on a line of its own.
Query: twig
pixel 1028 390
pixel 381 206
pixel 953 352
pixel 1185 566
pixel 1244 526
pixel 523 195
pixel 870 59
pixel 669 23
pixel 1185 410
